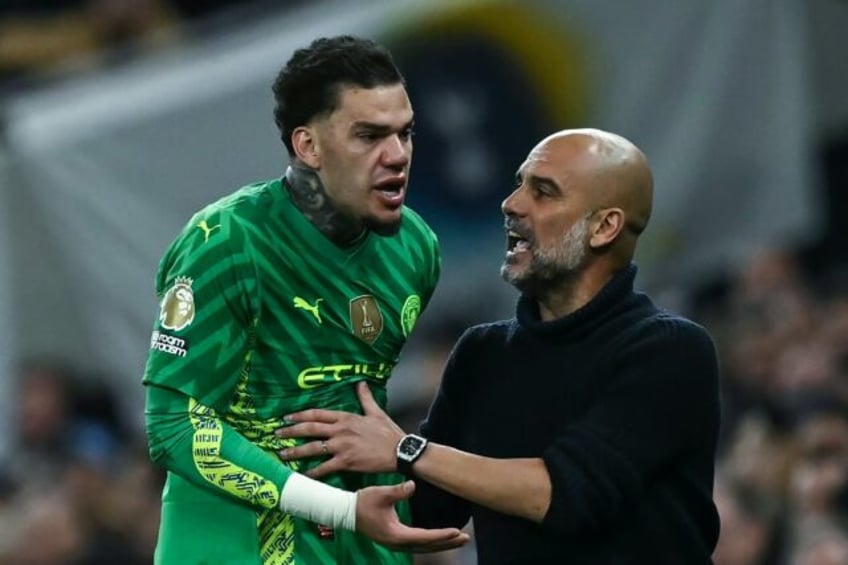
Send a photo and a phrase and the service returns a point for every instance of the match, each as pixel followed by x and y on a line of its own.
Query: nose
pixel 396 152
pixel 511 205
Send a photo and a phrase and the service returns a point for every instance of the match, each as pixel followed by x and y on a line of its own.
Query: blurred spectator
pixel 48 533
pixel 78 489
pixel 758 461
pixel 46 397
pixel 748 528
pixel 56 38
pixel 8 519
pixel 821 544
pixel 783 488
pixel 195 9
pixel 818 497
pixel 61 35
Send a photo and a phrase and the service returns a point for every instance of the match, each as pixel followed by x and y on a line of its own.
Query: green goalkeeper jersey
pixel 260 316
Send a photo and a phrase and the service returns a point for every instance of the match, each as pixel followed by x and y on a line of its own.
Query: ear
pixel 305 146
pixel 609 225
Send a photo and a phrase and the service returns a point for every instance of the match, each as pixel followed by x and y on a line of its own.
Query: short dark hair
pixel 309 84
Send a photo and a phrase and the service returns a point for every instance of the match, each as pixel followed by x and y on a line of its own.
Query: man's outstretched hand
pixel 351 442
pixel 377 519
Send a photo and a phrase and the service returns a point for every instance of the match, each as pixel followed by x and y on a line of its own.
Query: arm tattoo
pixel 310 197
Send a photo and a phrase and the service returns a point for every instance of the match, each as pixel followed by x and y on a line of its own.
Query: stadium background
pixel 149 109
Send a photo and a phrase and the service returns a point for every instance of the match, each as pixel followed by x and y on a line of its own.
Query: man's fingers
pixel 305 429
pixel 314 415
pixel 421 540
pixel 403 490
pixel 397 492
pixel 324 469
pixel 366 399
pixel 452 543
pixel 305 451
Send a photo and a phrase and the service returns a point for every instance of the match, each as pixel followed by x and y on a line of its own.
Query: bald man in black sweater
pixel 584 429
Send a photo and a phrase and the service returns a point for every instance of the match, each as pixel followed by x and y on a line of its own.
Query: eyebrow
pixel 537 180
pixel 381 129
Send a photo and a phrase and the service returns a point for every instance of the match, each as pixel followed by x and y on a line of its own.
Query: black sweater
pixel 621 401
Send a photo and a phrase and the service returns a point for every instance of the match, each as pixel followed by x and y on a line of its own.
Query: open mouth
pixel 392 191
pixel 516 242
pixel 391 187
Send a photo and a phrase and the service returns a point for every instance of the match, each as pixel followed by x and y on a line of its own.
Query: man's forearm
pixel 518 487
pixel 367 443
pixel 191 441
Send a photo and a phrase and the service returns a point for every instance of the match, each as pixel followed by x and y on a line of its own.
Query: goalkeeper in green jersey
pixel 277 298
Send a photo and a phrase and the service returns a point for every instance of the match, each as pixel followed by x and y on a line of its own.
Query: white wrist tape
pixel 314 501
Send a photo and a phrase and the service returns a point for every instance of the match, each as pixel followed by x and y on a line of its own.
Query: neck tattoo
pixel 311 198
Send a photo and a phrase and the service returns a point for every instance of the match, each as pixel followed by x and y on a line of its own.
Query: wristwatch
pixel 409 449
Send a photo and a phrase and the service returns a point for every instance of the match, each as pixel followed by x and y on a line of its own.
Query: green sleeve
pixel 209 306
pixel 189 439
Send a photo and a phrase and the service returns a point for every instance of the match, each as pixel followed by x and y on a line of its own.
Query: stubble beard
pixel 383 229
pixel 552 267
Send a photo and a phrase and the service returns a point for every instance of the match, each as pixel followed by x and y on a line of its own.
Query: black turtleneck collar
pixel 594 312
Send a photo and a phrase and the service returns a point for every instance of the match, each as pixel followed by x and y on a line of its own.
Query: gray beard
pixel 311 198
pixel 555 267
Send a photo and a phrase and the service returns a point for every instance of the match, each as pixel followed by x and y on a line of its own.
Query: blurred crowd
pixel 45 40
pixel 78 487
pixel 782 474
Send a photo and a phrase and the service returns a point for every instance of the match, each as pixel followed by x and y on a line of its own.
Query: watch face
pixel 410 446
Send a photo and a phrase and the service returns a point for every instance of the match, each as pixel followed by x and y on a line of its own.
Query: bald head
pixel 580 201
pixel 618 172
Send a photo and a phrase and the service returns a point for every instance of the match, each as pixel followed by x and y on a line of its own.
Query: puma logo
pixel 312 309
pixel 206 229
